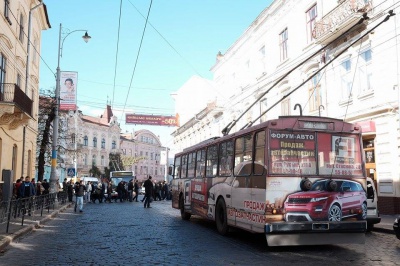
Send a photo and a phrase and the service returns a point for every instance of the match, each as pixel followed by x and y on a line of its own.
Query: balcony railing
pixel 340 19
pixel 13 94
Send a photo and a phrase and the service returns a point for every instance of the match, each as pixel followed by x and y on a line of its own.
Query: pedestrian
pixel 27 190
pixel 46 187
pixel 39 188
pixel 166 191
pixel 70 191
pixel 148 185
pixel 109 192
pixel 79 192
pixel 64 185
pixel 136 189
pixel 89 191
pixel 16 187
pixel 130 190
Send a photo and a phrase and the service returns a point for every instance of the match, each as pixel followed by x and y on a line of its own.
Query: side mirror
pixel 170 170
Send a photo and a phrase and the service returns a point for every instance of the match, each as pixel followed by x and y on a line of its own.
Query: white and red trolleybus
pixel 300 180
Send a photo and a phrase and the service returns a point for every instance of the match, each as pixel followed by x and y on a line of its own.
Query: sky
pixel 181 39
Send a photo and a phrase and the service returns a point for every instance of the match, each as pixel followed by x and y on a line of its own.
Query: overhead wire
pixel 116 53
pixel 137 56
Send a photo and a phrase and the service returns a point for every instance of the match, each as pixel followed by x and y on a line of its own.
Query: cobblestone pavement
pixel 127 234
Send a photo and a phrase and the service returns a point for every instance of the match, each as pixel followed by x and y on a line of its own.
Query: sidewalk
pixel 16 230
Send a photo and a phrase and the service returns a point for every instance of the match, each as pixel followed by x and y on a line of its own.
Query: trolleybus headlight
pixel 318 199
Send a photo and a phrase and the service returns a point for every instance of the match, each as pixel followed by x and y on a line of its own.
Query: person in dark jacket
pixel 79 192
pixel 70 190
pixel 130 190
pixel 148 186
pixel 136 189
pixel 46 187
pixel 26 189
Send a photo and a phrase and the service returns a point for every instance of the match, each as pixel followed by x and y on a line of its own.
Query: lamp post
pixel 53 173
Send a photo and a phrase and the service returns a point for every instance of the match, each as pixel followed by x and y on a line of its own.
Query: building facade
pixel 89 141
pixel 21 24
pixel 141 152
pixel 330 58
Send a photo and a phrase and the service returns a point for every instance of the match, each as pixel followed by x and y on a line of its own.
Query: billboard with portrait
pixel 68 86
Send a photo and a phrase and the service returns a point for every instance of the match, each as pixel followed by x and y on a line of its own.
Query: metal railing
pixel 11 92
pixel 16 210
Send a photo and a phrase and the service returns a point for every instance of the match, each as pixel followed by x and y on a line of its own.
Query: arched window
pixel 95 142
pixel 85 159
pixel 103 143
pixel 73 137
pixel 113 144
pixel 94 159
pixel 85 141
pixel 102 160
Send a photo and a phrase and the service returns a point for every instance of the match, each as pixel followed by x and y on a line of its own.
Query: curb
pixel 10 238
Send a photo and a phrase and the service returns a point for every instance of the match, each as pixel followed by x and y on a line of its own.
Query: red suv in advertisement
pixel 327 200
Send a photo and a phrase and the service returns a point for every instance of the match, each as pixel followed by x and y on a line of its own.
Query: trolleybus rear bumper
pixel 315 233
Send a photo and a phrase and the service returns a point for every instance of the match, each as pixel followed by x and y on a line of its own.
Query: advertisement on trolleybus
pixel 300 180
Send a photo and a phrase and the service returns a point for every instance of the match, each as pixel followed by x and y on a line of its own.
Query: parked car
pixel 373 216
pixel 396 227
pixel 327 200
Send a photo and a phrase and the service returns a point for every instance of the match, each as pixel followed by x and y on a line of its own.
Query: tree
pixel 95 171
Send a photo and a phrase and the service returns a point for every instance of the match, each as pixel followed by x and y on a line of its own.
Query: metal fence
pixel 17 210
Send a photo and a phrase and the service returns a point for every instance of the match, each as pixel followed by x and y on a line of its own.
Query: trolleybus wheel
pixel 220 218
pixel 184 215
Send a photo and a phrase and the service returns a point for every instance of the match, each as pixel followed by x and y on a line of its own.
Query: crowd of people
pixel 101 191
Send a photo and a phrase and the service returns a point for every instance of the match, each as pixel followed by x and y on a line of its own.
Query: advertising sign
pixel 68 86
pixel 155 120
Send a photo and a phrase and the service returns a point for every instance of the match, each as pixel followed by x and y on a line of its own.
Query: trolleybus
pixel 300 180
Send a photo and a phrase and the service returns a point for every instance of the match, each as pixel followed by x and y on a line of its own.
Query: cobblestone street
pixel 126 234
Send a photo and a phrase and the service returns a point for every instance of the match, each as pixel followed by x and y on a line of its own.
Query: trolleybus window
pixel 191 164
pixel 184 166
pixel 200 164
pixel 259 165
pixel 243 154
pixel 212 161
pixel 177 167
pixel 225 158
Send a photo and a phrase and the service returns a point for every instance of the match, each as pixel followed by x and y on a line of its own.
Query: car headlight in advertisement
pixel 318 199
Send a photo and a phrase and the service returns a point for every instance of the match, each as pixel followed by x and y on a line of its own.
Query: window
pixel 84 159
pixel 177 169
pixel 6 10
pixel 225 158
pixel 314 92
pixel 2 74
pixel 346 79
pixel 73 138
pixel 95 142
pixel 113 144
pixel 259 154
pixel 184 166
pixel 285 107
pixel 85 141
pixel 103 143
pixel 283 38
pixel 201 163
pixel 365 71
pixel 151 156
pixel 243 155
pixel 311 16
pixel 18 80
pixel 21 28
pixel 94 160
pixel 212 161
pixel 102 160
pixel 191 164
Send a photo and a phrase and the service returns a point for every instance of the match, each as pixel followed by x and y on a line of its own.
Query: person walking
pixel 136 189
pixel 70 190
pixel 148 185
pixel 79 192
pixel 130 190
pixel 27 190
pixel 89 191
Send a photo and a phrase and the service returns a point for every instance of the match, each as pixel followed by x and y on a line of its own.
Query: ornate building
pixel 141 152
pixel 89 140
pixel 21 25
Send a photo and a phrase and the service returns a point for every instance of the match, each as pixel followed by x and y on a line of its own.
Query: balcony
pixel 15 106
pixel 340 19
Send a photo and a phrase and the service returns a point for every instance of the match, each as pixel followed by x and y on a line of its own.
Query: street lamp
pixel 53 173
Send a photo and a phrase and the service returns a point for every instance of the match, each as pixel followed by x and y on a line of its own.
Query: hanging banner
pixel 68 85
pixel 155 120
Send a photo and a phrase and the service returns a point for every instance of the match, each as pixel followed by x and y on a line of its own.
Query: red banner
pixel 155 120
